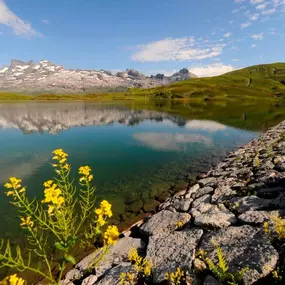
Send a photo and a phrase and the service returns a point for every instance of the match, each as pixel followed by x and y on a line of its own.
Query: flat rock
pixel 163 223
pixel 112 276
pixel 257 217
pixel 210 181
pixel 73 274
pixel 90 280
pixel 202 191
pixel 181 204
pixel 174 250
pixel 116 254
pixel 201 200
pixel 213 216
pixel 243 246
pixel 244 204
pixel 192 190
pixel 223 193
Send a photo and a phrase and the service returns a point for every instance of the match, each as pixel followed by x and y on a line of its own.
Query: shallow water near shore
pixel 139 151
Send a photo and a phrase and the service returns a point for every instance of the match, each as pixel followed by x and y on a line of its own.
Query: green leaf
pixel 70 258
pixel 60 246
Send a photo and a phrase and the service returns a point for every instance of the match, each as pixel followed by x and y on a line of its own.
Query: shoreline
pixel 229 203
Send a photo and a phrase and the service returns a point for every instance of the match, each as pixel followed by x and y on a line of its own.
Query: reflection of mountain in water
pixel 54 118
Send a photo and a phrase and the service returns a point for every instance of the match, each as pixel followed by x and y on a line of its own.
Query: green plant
pixel 277 228
pixel 142 269
pixel 221 269
pixel 55 222
pixel 256 162
pixel 175 278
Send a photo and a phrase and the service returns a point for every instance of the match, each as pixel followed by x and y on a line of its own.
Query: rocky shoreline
pixel 229 204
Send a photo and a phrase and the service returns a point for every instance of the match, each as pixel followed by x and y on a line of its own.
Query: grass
pixel 257 82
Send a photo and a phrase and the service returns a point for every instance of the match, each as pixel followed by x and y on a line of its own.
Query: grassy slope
pixel 251 83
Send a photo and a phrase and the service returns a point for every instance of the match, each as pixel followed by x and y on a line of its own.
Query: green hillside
pixel 252 82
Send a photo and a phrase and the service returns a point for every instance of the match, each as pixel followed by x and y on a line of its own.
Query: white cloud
pixel 269 11
pixel 205 125
pixel 169 142
pixel 258 36
pixel 255 2
pixel 211 70
pixel 170 49
pixel 20 27
pixel 253 17
pixel 261 6
pixel 235 59
pixel 227 35
pixel 253 46
pixel 245 25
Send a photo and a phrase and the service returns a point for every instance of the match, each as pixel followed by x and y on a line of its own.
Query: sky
pixel 209 37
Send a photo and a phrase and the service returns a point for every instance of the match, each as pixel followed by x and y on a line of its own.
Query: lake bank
pixel 229 204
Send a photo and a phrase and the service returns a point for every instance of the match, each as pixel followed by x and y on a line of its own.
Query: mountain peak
pixel 45 76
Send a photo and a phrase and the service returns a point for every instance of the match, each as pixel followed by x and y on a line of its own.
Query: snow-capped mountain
pixel 45 76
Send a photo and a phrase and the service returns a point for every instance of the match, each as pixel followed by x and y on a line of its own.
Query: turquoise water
pixel 136 155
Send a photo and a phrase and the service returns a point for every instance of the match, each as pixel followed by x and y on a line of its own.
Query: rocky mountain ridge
pixel 46 76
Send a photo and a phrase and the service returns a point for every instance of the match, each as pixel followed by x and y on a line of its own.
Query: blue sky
pixel 207 36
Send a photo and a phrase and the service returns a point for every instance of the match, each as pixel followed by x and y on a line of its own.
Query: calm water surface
pixel 136 153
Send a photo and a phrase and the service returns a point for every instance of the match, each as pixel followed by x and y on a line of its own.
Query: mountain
pixel 46 77
pixel 254 82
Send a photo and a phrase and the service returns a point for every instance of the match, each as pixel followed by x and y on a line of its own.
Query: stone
pixel 112 276
pixel 199 265
pixel 210 280
pixel 243 246
pixel 90 280
pixel 174 250
pixel 210 181
pixel 163 223
pixel 257 217
pixel 244 204
pixel 192 190
pixel 269 193
pixel 116 254
pixel 203 199
pixel 73 274
pixel 202 191
pixel 181 205
pixel 223 193
pixel 213 216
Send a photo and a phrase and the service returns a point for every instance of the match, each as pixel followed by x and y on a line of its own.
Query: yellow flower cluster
pixel 103 212
pixel 61 157
pixel 27 222
pixel 85 171
pixel 127 278
pixel 175 277
pixel 14 184
pixel 111 235
pixel 143 266
pixel 278 227
pixel 52 195
pixel 12 280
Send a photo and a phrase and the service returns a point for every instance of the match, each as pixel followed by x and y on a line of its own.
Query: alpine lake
pixel 141 152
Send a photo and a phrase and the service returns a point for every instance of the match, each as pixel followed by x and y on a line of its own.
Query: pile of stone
pixel 229 205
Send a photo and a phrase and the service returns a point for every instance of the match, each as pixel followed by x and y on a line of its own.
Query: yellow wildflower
pixel 9 193
pixel 66 166
pixel 111 235
pixel 12 280
pixel 81 179
pixel 27 222
pixel 48 183
pixel 63 160
pixel 50 209
pixel 106 208
pixel 84 170
pixel 101 222
pixel 13 183
pixel 59 153
pixel 51 194
pixel 90 177
pixel 147 267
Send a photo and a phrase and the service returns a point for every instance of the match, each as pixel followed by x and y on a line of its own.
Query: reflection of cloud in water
pixel 21 169
pixel 166 141
pixel 205 125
